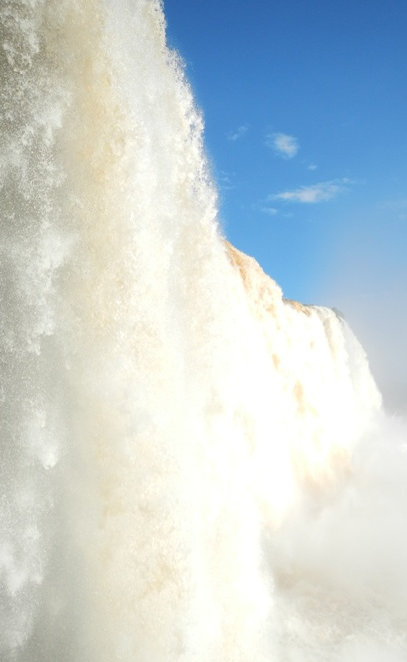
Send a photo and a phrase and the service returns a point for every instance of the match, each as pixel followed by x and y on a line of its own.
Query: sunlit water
pixel 193 469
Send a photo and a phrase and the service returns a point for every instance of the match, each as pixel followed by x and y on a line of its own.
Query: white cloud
pixel 312 166
pixel 315 193
pixel 270 211
pixel 283 144
pixel 238 133
pixel 225 181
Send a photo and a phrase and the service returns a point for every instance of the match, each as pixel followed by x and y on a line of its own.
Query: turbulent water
pixel 192 468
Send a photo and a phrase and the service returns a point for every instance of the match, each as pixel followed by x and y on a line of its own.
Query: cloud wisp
pixel 320 192
pixel 283 144
pixel 270 211
pixel 238 133
pixel 225 182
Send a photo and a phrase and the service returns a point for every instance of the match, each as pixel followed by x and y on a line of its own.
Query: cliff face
pixel 260 288
pixel 328 395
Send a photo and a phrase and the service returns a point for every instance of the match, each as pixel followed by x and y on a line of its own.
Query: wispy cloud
pixel 283 144
pixel 320 192
pixel 238 133
pixel 312 166
pixel 270 211
pixel 225 182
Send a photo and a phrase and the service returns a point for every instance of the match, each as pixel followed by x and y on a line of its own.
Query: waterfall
pixel 193 468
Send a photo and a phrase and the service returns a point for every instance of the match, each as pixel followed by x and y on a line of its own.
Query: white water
pixel 192 469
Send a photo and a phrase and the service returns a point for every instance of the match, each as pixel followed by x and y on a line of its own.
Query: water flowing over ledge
pixel 193 468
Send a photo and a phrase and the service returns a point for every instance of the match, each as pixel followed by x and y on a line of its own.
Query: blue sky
pixel 305 107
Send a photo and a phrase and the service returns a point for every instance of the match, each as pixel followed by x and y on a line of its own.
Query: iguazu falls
pixel 194 468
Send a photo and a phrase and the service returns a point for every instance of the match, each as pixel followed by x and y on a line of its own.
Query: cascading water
pixel 192 468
